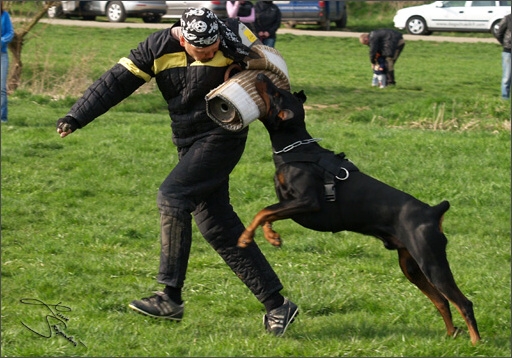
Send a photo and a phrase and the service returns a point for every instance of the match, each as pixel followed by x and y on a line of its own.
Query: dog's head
pixel 281 105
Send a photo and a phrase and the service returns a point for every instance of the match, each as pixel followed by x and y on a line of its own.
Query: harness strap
pixel 335 166
pixel 339 167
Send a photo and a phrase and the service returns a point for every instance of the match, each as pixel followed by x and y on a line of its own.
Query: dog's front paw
pixel 245 239
pixel 273 237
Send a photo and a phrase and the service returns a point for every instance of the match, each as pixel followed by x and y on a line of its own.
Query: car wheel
pixel 152 19
pixel 54 12
pixel 342 23
pixel 416 26
pixel 116 12
pixel 326 25
pixel 495 27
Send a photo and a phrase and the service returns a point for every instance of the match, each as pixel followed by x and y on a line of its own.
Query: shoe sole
pixel 138 310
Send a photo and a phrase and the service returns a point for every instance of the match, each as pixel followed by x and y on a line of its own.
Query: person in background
pixel 389 44
pixel 194 55
pixel 7 36
pixel 244 10
pixel 379 72
pixel 505 38
pixel 268 20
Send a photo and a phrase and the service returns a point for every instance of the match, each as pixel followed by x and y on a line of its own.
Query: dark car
pixel 313 12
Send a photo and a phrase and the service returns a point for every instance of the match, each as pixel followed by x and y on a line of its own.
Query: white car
pixel 115 11
pixel 465 16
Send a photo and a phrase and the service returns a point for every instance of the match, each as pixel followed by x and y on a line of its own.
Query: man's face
pixel 203 54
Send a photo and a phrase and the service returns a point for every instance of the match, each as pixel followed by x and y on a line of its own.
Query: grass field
pixel 80 224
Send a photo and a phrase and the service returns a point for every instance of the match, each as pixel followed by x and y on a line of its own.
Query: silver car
pixel 115 11
pixel 176 8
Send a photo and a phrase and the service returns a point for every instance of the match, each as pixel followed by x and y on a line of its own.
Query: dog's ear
pixel 285 114
pixel 301 96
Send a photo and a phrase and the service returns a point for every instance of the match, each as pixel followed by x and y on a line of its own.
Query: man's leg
pixel 506 75
pixel 3 99
pixel 221 227
pixel 175 241
pixel 390 63
pixel 399 48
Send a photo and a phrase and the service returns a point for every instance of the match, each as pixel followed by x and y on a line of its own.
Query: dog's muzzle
pixel 236 103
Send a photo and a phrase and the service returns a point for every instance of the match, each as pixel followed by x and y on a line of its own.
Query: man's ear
pixel 301 96
pixel 182 41
pixel 285 114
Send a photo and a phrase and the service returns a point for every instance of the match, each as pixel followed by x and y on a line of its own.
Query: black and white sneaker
pixel 158 306
pixel 278 320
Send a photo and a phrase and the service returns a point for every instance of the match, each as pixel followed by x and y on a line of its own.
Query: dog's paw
pixel 275 241
pixel 273 237
pixel 245 239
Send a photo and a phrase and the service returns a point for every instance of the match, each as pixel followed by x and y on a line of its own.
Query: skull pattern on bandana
pixel 202 28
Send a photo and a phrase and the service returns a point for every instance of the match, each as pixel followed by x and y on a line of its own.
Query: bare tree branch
pixel 16 45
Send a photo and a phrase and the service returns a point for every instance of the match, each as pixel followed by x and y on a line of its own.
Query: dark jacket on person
pixel 268 17
pixel 182 81
pixel 504 35
pixel 383 41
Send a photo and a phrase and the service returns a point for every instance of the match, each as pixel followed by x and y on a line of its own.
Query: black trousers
pixel 199 186
pixel 390 62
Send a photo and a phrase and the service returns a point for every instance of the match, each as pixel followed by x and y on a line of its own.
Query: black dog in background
pixel 325 192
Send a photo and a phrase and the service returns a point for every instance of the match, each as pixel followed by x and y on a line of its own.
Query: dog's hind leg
pixel 441 277
pixel 440 287
pixel 414 274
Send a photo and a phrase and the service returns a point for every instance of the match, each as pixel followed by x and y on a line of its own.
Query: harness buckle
pixel 330 191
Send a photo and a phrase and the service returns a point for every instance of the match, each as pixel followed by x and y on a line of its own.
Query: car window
pixel 505 3
pixel 454 4
pixel 482 3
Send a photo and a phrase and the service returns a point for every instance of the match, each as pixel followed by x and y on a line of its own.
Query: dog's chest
pixel 306 174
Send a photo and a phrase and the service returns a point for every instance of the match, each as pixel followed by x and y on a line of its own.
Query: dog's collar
pixel 297 144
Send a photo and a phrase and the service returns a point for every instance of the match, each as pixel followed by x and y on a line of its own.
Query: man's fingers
pixel 65 127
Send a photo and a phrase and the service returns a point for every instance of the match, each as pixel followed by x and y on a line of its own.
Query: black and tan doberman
pixel 325 192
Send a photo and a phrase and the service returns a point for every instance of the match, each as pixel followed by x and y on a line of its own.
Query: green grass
pixel 80 224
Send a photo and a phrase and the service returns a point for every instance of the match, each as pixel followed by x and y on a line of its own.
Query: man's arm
pixel 110 89
pixel 502 29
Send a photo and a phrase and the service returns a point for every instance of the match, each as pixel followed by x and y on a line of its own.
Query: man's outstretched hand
pixel 67 125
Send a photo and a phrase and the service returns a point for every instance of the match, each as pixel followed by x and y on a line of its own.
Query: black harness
pixel 335 166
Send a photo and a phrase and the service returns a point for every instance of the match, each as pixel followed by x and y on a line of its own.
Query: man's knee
pixel 173 205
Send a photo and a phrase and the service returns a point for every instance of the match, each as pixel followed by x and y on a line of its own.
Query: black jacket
pixel 182 82
pixel 384 42
pixel 268 17
pixel 504 35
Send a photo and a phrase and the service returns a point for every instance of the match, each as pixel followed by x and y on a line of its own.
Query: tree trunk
pixel 16 65
pixel 16 46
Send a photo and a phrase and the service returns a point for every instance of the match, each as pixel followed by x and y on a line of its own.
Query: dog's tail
pixel 439 211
